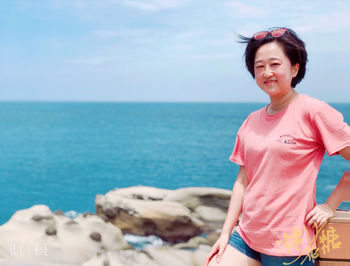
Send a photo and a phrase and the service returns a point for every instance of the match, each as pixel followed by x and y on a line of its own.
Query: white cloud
pixel 191 34
pixel 125 32
pixel 141 5
pixel 330 22
pixel 249 29
pixel 243 10
pixel 148 33
pixel 147 5
pixel 81 3
pixel 106 33
pixel 153 5
pixel 145 38
pixel 181 47
pixel 211 56
pixel 92 60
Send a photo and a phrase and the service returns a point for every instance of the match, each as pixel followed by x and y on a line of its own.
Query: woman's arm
pixel 345 153
pixel 341 192
pixel 236 201
pixel 322 212
pixel 233 212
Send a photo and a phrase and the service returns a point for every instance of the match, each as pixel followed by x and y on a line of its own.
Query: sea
pixel 64 154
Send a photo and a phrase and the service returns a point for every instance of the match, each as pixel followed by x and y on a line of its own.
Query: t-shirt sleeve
pixel 237 155
pixel 333 132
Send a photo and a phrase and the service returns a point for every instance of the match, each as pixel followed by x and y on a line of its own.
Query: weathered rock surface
pixel 173 215
pixel 157 256
pixel 13 262
pixel 37 234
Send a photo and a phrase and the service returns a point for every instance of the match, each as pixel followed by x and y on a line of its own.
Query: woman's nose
pixel 267 73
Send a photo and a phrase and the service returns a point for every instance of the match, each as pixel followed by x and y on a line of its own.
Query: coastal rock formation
pixel 173 215
pixel 155 256
pixel 207 204
pixel 7 262
pixel 37 234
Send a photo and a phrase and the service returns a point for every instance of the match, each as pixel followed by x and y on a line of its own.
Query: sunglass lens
pixel 260 35
pixel 278 32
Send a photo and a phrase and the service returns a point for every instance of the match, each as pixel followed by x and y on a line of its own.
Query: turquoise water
pixel 63 154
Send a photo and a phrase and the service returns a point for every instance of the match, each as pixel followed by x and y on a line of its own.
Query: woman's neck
pixel 279 103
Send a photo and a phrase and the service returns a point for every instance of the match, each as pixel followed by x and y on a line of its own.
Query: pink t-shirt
pixel 282 154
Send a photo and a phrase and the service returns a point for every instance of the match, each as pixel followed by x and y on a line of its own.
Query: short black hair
pixel 292 45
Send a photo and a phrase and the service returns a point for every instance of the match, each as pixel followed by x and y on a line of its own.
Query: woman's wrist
pixel 226 232
pixel 331 206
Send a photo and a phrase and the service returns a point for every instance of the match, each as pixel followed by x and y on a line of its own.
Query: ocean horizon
pixel 62 154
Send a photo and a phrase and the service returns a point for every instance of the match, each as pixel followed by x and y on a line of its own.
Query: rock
pixel 86 214
pixel 110 213
pixel 51 231
pixel 200 254
pixel 169 220
pixel 123 258
pixel 143 193
pixel 192 197
pixel 209 205
pixel 153 256
pixel 71 222
pixel 9 262
pixel 59 212
pixel 96 236
pixel 210 214
pixel 212 237
pixel 36 234
pixel 171 256
pixel 173 215
pixel 39 218
pixel 193 243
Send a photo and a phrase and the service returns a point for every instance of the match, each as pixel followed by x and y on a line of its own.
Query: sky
pixel 161 50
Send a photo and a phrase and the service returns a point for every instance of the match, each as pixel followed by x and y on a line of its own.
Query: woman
pixel 279 149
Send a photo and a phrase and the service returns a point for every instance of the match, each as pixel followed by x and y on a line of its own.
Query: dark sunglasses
pixel 274 33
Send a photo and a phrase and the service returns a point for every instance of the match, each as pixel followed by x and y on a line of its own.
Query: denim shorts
pixel 266 260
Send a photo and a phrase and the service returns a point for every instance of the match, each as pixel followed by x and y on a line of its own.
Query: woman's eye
pixel 275 64
pixel 259 66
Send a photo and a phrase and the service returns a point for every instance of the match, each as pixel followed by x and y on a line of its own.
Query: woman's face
pixel 273 70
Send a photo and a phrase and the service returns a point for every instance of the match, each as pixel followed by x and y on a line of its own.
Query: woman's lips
pixel 269 82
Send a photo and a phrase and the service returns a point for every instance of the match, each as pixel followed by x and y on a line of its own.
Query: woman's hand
pixel 218 248
pixel 320 214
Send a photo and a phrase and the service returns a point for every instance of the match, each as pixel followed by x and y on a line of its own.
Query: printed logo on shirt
pixel 287 139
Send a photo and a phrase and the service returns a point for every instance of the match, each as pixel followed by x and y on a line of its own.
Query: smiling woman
pixel 279 149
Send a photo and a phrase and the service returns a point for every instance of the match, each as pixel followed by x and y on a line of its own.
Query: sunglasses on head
pixel 274 33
